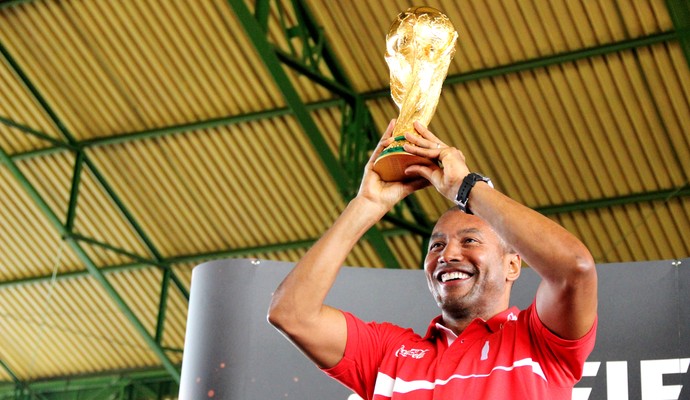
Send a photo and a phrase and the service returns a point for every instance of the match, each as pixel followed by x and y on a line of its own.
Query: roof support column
pixel 271 60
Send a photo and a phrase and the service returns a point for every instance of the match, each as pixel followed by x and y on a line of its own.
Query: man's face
pixel 468 269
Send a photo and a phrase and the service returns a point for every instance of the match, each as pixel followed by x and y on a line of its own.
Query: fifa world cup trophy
pixel 419 47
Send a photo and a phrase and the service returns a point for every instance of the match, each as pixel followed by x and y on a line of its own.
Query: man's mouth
pixel 454 276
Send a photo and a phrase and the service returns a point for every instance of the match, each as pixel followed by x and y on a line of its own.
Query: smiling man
pixel 479 347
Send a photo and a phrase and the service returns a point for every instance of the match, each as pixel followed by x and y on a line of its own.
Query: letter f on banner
pixel 653 372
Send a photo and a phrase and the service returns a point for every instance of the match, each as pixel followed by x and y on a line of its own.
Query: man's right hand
pixel 381 193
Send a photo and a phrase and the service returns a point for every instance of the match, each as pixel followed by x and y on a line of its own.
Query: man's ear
pixel 515 266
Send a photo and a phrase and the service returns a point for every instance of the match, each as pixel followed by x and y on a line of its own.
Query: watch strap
pixel 466 186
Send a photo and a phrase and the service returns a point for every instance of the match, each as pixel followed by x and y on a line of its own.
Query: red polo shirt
pixel 510 356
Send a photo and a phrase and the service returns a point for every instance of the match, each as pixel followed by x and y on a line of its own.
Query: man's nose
pixel 451 252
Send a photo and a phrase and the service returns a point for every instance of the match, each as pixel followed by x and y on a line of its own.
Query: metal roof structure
pixel 139 138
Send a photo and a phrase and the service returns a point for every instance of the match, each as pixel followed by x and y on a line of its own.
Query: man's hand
pixel 447 177
pixel 386 194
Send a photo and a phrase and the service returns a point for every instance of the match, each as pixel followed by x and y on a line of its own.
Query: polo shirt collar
pixel 495 323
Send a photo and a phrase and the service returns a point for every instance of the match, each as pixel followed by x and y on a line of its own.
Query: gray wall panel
pixel 231 352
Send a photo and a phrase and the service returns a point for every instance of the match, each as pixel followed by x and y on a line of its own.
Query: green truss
pixel 151 384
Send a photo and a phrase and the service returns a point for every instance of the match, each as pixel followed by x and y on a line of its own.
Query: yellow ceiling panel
pixel 65 328
pixel 31 245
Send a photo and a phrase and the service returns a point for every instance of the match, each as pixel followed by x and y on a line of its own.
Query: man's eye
pixel 436 245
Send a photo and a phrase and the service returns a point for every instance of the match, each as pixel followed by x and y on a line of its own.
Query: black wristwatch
pixel 465 188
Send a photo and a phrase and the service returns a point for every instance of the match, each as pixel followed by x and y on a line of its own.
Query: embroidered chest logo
pixel 485 351
pixel 414 353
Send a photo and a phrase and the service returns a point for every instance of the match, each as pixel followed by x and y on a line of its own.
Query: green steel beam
pixel 11 373
pixel 162 305
pixel 182 128
pixel 12 3
pixel 192 258
pixel 164 265
pixel 178 283
pixel 679 10
pixel 121 206
pixel 265 51
pixel 114 249
pixel 106 392
pixel 72 275
pixel 177 129
pixel 405 229
pixel 645 197
pixel 74 191
pixel 14 66
pixel 35 133
pixel 546 61
pixel 305 15
pixel 421 230
pixel 271 61
pixel 173 349
pixel 262 9
pixel 133 223
pixel 92 382
pixel 90 265
pixel 71 140
pixel 340 83
pixel 327 83
pixel 251 251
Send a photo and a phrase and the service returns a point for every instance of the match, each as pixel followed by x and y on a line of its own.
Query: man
pixel 478 348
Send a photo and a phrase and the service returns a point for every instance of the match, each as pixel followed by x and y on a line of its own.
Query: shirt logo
pixel 485 351
pixel 414 353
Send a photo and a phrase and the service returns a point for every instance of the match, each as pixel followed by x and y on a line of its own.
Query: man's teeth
pixel 453 275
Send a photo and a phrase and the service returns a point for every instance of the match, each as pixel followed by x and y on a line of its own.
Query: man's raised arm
pixel 297 307
pixel 567 297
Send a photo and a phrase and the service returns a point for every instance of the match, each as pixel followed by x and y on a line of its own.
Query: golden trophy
pixel 419 47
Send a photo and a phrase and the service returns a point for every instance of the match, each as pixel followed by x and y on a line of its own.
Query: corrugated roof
pixel 187 145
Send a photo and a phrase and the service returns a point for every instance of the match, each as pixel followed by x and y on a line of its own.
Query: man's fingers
pixel 425 132
pixel 386 139
pixel 416 184
pixel 389 129
pixel 424 171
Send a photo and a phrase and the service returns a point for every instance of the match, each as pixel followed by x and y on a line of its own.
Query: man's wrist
pixel 368 208
pixel 463 197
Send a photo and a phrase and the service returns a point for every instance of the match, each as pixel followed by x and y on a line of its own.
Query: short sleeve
pixel 565 358
pixel 367 342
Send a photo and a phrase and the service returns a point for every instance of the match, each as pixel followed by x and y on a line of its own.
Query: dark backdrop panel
pixel 231 352
pixel 683 268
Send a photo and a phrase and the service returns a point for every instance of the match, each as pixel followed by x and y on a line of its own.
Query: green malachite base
pixel 391 164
